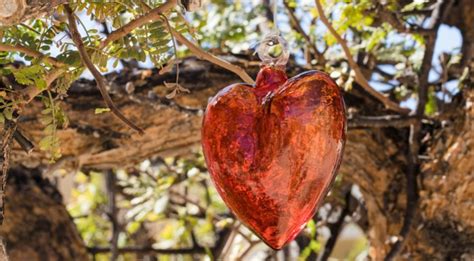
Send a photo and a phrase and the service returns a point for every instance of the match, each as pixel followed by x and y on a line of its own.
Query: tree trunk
pixel 443 228
pixel 37 225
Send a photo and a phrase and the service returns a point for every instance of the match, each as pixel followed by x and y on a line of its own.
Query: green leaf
pixel 431 106
pixel 41 84
pixel 101 110
pixel 8 113
pixel 46 120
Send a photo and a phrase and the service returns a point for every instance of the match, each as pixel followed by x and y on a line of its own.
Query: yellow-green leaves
pixel 30 75
pixel 375 38
pixel 52 117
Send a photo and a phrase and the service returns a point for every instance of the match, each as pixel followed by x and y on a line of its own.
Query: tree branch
pixel 395 121
pixel 212 58
pixel 153 15
pixel 435 22
pixel 412 201
pixel 110 181
pixel 395 21
pixel 101 85
pixel 359 77
pixel 337 227
pixel 24 142
pixel 32 53
pixel 30 92
pixel 149 250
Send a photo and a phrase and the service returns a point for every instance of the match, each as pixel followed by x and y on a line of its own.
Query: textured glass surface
pixel 273 149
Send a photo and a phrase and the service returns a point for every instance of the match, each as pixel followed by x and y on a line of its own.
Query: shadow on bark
pixel 37 226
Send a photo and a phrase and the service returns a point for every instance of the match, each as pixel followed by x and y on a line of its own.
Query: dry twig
pixel 212 58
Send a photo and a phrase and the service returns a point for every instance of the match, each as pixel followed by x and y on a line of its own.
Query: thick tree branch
pixel 412 201
pixel 30 92
pixel 101 85
pixel 359 77
pixel 24 142
pixel 395 121
pixel 149 250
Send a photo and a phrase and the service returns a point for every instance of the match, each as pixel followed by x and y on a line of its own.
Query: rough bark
pixel 16 11
pixel 37 226
pixel 374 158
pixel 446 222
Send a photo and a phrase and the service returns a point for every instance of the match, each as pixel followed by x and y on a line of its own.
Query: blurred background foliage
pixel 171 204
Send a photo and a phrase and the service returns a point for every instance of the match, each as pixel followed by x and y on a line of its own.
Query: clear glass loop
pixel 269 42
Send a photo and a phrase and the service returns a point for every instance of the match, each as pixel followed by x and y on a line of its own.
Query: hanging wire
pixel 275 13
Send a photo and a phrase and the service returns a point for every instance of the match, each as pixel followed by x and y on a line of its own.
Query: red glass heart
pixel 273 149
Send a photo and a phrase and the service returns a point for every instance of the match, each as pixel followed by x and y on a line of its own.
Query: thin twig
pixel 297 26
pixel 435 22
pixel 212 58
pixel 86 60
pixel 412 201
pixel 152 15
pixel 110 181
pixel 359 77
pixel 396 21
pixel 31 53
pixel 337 227
pixel 251 246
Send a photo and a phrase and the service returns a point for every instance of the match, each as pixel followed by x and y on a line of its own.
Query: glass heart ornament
pixel 274 148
